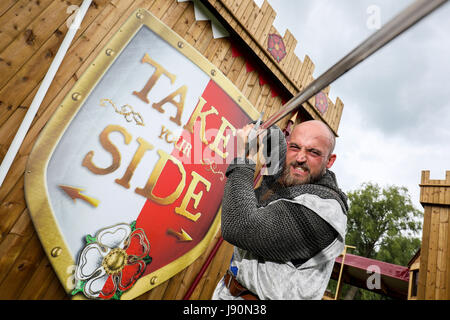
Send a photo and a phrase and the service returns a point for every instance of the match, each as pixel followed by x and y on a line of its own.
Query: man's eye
pixel 315 153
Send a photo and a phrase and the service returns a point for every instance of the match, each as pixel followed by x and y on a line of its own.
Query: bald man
pixel 288 232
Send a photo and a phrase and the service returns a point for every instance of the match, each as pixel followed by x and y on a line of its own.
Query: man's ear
pixel 331 160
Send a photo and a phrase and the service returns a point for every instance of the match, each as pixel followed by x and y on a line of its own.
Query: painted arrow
pixel 181 236
pixel 75 193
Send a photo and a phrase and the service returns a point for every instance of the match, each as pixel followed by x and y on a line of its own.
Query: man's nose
pixel 301 156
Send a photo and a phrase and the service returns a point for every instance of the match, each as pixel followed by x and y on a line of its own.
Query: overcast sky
pixel 396 114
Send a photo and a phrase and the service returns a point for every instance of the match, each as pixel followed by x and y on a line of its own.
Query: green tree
pixel 398 250
pixel 377 215
pixel 382 224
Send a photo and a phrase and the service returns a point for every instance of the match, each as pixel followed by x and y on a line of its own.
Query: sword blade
pixel 397 25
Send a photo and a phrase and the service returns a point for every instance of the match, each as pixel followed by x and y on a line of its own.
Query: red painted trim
pixel 387 269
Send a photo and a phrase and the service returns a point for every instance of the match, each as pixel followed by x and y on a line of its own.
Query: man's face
pixel 308 154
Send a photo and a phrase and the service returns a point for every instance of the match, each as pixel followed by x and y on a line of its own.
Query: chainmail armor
pixel 276 228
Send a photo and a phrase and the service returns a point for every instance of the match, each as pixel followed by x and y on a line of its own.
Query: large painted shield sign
pixel 125 183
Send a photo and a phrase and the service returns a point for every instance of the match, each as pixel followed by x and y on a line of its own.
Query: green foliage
pixel 398 250
pixel 384 225
pixel 377 215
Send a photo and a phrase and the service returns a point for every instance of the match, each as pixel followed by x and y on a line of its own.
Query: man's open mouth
pixel 300 169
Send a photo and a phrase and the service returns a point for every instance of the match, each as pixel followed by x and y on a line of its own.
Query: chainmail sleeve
pixel 281 231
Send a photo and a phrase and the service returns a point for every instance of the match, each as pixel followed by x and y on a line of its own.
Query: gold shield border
pixel 36 193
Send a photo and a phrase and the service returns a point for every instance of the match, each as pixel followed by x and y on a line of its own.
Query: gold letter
pixel 197 113
pixel 143 147
pixel 147 191
pixel 179 105
pixel 185 146
pixel 220 136
pixel 110 147
pixel 163 132
pixel 196 178
pixel 155 76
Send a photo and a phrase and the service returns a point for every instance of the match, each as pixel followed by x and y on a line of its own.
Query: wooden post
pixel 434 272
pixel 339 284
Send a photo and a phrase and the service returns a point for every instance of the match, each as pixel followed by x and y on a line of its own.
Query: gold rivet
pixel 56 251
pixel 76 96
pixel 180 44
pixel 213 72
pixel 139 15
pixel 153 280
pixel 239 99
pixel 109 52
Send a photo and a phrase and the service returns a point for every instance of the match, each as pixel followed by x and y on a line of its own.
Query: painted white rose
pixel 112 261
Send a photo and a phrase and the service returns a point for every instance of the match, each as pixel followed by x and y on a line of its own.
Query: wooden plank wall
pixel 254 25
pixel 30 35
pixel 434 271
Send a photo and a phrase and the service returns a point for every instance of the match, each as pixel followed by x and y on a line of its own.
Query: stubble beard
pixel 289 180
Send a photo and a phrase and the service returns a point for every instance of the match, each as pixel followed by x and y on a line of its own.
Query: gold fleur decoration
pixel 126 110
pixel 212 167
